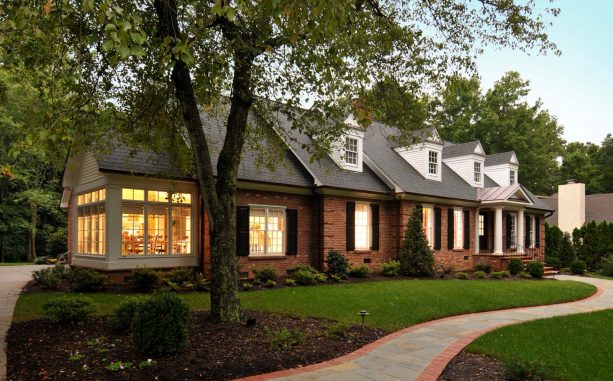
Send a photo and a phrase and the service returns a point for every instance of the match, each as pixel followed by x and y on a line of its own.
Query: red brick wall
pixel 334 220
pixel 459 259
pixel 308 230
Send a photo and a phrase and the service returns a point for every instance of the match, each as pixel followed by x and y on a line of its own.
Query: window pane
pixel 157 226
pixel 427 222
pixel 362 226
pixel 101 229
pixel 132 229
pixel 257 231
pixel 274 240
pixel 181 198
pixel 102 194
pixel 181 230
pixel 157 196
pixel 458 237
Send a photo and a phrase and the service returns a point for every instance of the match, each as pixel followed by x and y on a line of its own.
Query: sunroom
pixel 119 222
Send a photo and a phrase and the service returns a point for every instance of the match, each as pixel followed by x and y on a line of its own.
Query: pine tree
pixel 567 251
pixel 415 256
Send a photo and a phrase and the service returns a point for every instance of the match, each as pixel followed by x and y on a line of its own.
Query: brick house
pixel 130 209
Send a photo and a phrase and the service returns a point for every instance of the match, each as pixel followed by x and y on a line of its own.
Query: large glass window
pixel 433 162
pixel 351 151
pixel 362 226
pixel 91 223
pixel 428 224
pixel 155 222
pixel 266 226
pixel 458 223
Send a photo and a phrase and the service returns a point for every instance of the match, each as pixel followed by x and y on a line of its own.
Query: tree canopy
pixel 148 69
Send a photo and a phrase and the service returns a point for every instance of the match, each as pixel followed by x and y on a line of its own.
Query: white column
pixel 477 248
pixel 520 231
pixel 498 231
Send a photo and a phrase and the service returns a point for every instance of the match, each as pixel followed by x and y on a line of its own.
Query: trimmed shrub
pixel 47 278
pixel 461 275
pixel 265 274
pixel 496 275
pixel 535 269
pixel 144 280
pixel 578 267
pixel 285 338
pixel 479 274
pixel 304 277
pixel 554 262
pixel 359 272
pixel 337 264
pixel 68 310
pixel 415 255
pixel 607 267
pixel 515 266
pixel 160 324
pixel 87 280
pixel 122 316
pixel 525 275
pixel 181 276
pixel 270 283
pixel 308 268
pixel 504 274
pixel 485 267
pixel 391 268
pixel 290 282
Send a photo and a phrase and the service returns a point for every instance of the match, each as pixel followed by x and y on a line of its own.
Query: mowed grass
pixel 574 347
pixel 392 304
pixel 15 263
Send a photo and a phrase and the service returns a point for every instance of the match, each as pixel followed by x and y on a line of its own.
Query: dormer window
pixel 477 172
pixel 511 177
pixel 433 162
pixel 351 151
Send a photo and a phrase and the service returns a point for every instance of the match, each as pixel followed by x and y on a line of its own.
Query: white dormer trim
pixel 464 166
pixel 418 156
pixel 479 150
pixel 339 151
pixel 514 159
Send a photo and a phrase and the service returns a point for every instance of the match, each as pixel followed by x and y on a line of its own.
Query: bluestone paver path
pixel 421 352
pixel 12 280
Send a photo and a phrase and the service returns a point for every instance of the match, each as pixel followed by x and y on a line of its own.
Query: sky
pixel 576 87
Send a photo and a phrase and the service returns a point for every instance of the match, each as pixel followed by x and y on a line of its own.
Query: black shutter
pixel 508 231
pixel 450 228
pixel 374 218
pixel 437 228
pixel 292 231
pixel 537 231
pixel 350 226
pixel 527 228
pixel 467 229
pixel 242 231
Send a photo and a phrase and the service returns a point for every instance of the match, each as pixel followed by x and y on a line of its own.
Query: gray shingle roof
pixel 462 149
pixel 499 158
pixel 121 158
pixel 598 207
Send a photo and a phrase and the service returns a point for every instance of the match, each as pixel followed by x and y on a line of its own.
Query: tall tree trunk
pixel 219 194
pixel 33 222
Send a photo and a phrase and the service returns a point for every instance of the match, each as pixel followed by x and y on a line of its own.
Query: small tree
pixel 553 239
pixel 415 255
pixel 567 251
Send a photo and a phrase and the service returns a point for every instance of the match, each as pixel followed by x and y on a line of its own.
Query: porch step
pixel 549 271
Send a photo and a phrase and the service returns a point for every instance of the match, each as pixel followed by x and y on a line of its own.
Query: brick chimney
pixel 571 206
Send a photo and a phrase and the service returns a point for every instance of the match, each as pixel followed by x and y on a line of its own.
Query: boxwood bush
pixel 122 316
pixel 391 268
pixel 535 269
pixel 578 267
pixel 515 266
pixel 47 278
pixel 485 267
pixel 145 280
pixel 479 274
pixel 265 274
pixel 359 272
pixel 160 325
pixel 68 310
pixel 337 264
pixel 87 280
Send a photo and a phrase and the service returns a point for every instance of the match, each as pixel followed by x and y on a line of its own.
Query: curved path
pixel 422 351
pixel 12 280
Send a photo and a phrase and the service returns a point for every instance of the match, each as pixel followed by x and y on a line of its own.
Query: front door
pixel 484 223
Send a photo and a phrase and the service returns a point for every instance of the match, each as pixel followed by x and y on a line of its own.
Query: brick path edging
pixel 436 366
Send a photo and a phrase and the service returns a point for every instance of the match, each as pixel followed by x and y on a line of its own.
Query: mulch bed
pixel 39 350
pixel 474 367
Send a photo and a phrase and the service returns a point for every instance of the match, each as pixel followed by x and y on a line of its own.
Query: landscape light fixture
pixel 363 314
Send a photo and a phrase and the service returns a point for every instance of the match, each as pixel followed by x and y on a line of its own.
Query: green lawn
pixel 392 304
pixel 575 347
pixel 15 263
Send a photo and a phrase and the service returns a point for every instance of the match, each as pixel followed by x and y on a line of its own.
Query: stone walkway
pixel 422 351
pixel 12 280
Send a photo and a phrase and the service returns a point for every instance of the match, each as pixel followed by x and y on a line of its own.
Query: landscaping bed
pixel 39 350
pixel 474 367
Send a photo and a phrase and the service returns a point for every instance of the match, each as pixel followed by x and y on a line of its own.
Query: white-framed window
pixel 266 230
pixel 427 215
pixel 351 151
pixel 458 223
pixel 532 233
pixel 91 222
pixel 433 162
pixel 362 226
pixel 155 222
pixel 512 177
pixel 481 225
pixel 477 168
pixel 513 230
